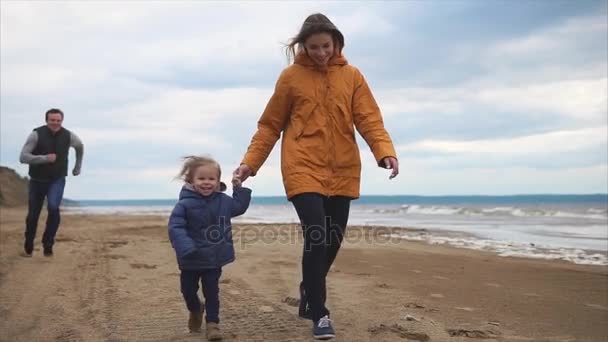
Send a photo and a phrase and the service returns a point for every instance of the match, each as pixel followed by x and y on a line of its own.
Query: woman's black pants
pixel 323 222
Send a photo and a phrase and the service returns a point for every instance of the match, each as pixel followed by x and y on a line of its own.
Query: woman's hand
pixel 242 172
pixel 391 163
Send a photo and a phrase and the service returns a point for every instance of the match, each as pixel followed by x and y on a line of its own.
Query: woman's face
pixel 320 48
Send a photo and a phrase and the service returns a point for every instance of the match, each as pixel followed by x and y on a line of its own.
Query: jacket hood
pixel 303 59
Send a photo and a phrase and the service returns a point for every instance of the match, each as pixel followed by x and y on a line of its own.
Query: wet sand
pixel 114 278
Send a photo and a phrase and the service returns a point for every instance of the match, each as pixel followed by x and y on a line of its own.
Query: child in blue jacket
pixel 200 233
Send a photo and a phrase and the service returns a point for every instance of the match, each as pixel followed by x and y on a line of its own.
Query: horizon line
pixel 368 195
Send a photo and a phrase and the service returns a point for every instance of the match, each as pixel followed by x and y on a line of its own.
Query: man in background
pixel 46 151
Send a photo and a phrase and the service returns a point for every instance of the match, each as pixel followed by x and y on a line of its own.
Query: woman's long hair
pixel 315 23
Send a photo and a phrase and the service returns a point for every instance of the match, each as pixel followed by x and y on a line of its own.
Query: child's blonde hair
pixel 193 162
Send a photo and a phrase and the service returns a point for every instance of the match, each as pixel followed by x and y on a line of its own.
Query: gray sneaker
pixel 322 329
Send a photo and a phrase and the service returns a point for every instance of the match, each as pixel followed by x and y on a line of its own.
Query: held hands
pixel 242 172
pixel 391 163
pixel 236 180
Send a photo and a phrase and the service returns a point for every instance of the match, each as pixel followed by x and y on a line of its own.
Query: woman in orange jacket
pixel 318 102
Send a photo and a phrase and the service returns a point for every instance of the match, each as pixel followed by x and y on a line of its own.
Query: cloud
pixel 580 102
pixel 578 32
pixel 179 116
pixel 41 80
pixel 586 100
pixel 556 70
pixel 553 150
pixel 554 142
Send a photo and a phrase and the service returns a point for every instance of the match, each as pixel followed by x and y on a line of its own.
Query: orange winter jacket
pixel 317 111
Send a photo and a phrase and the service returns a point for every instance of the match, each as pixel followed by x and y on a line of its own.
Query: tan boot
pixel 195 321
pixel 213 332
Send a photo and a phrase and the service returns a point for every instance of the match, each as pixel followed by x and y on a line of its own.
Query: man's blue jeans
pixel 38 191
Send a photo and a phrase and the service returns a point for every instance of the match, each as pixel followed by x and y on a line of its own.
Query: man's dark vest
pixel 58 143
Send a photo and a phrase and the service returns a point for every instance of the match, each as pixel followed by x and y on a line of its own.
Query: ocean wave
pixel 510 249
pixel 591 213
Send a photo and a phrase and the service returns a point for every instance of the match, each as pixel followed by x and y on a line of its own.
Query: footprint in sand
pixel 234 292
pixel 398 330
pixel 116 244
pixel 531 294
pixel 146 266
pixel 115 256
pixel 437 295
pixel 416 271
pixel 473 333
pixel 291 301
pixel 378 266
pixel 285 263
pixel 441 277
pixel 465 308
pixel 411 318
pixel 493 285
pixel 64 239
pixel 266 308
pixel 597 306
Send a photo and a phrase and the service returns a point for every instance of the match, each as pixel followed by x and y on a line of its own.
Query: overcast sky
pixel 480 97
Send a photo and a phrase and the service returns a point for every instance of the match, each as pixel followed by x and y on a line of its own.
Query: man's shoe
pixel 195 321
pixel 48 251
pixel 213 331
pixel 304 309
pixel 322 329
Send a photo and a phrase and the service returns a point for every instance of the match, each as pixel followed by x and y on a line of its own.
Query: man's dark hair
pixel 52 111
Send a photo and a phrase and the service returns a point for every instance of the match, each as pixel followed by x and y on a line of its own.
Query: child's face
pixel 206 179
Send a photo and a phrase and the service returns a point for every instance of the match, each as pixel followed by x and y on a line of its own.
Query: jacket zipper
pixel 330 128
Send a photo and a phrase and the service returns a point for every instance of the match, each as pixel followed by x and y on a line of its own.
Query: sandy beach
pixel 114 278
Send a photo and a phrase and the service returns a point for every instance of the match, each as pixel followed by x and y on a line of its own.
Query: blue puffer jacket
pixel 200 230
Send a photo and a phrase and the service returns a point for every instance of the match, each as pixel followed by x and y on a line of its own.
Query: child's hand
pixel 236 180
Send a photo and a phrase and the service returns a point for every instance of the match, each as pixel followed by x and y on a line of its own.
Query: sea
pixel 573 228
